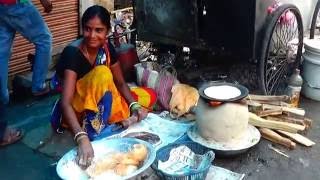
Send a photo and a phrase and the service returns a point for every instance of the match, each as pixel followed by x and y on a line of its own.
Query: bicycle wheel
pixel 315 17
pixel 281 49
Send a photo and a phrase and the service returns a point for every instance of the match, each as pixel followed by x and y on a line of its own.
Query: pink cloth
pixel 8 2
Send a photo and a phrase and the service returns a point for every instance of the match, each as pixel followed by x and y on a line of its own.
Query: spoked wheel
pixel 281 49
pixel 315 23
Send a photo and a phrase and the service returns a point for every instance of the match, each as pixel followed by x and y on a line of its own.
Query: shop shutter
pixel 63 23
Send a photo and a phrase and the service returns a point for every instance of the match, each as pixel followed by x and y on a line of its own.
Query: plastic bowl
pixel 163 155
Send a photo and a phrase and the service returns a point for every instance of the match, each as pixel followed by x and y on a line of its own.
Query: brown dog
pixel 183 98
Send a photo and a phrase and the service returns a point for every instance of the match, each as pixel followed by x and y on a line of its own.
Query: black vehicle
pixel 315 21
pixel 264 32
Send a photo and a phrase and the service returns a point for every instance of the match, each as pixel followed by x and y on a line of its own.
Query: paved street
pixel 36 155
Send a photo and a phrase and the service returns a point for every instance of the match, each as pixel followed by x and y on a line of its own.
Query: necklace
pixel 86 53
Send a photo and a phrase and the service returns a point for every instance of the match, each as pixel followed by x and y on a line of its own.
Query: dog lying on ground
pixel 183 98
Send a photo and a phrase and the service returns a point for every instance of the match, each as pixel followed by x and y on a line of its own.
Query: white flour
pixel 222 92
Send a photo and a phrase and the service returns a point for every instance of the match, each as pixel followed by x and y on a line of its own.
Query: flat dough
pixel 222 92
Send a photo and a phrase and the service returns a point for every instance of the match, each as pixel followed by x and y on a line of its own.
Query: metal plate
pixel 68 169
pixel 251 138
pixel 244 91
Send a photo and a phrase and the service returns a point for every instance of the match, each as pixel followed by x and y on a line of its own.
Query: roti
pixel 223 92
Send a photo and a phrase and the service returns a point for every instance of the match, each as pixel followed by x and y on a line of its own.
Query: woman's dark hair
pixel 94 11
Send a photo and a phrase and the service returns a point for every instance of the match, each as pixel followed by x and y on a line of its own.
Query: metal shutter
pixel 63 23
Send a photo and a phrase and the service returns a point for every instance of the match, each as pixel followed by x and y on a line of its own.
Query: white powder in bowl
pixel 222 92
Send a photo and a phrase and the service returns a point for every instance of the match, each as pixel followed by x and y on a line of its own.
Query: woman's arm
pixel 69 85
pixel 85 151
pixel 139 113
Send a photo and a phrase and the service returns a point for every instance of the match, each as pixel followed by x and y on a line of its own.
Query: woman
pixel 94 93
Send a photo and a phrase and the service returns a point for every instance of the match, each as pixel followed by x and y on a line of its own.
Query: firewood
pixel 275 103
pixel 269 112
pixel 254 106
pixel 298 138
pixel 261 122
pixel 307 122
pixel 294 114
pixel 288 110
pixel 276 138
pixel 254 97
pixel 301 120
pixel 287 119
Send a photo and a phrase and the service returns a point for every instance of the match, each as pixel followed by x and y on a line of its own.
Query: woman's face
pixel 95 33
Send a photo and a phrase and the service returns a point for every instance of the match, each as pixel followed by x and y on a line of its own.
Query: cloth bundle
pixel 160 79
pixel 146 97
pixel 147 74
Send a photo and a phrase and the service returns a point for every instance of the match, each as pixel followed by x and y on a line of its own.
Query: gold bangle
pixel 81 137
pixel 78 134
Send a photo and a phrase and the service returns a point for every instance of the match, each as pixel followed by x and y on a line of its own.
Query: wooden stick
pixel 274 103
pixel 270 112
pixel 302 121
pixel 298 138
pixel 308 122
pixel 276 138
pixel 254 106
pixel 282 119
pixel 268 98
pixel 288 110
pixel 278 151
pixel 293 115
pixel 260 122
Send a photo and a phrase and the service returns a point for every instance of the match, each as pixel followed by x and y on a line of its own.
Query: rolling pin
pixel 276 138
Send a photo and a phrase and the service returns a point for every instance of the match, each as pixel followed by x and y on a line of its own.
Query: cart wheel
pixel 315 18
pixel 281 49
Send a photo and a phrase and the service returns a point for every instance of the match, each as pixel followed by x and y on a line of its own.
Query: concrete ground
pixel 263 163
pixel 35 157
pixel 24 160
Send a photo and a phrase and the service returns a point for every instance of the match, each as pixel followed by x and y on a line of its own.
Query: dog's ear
pixel 174 88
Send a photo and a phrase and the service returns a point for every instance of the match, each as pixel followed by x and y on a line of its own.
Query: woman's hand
pixel 137 115
pixel 85 153
pixel 141 113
